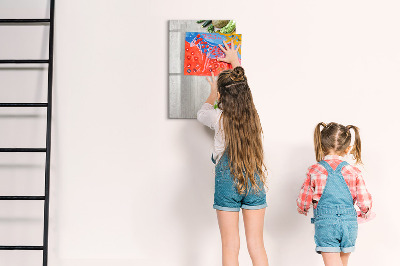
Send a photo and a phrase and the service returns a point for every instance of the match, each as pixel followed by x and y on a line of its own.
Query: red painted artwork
pixel 202 51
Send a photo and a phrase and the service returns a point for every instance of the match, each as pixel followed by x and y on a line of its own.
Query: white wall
pixel 131 187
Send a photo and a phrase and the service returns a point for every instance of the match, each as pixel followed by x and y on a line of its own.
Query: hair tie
pixel 233 84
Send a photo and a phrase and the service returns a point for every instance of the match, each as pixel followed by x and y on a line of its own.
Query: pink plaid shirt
pixel 314 185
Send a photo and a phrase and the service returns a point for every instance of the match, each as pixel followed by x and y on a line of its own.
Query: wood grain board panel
pixel 186 93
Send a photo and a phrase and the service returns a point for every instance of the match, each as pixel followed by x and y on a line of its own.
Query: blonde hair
pixel 242 129
pixel 336 137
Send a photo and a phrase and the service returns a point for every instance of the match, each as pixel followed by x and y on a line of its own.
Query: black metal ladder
pixel 47 105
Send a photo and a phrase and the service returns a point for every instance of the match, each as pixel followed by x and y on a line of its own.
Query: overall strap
pixel 340 166
pixel 326 166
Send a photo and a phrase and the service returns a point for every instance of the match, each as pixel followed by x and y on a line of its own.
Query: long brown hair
pixel 242 129
pixel 336 137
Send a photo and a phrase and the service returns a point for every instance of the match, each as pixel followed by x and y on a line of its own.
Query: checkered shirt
pixel 313 186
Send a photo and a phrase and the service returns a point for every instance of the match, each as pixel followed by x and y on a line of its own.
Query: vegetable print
pixel 202 51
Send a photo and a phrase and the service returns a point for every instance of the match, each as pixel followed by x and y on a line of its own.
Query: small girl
pixel 238 155
pixel 333 186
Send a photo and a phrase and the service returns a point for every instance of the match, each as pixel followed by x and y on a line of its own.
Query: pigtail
pixel 319 153
pixel 356 151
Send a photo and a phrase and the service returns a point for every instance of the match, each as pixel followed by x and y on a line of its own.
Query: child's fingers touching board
pixel 227 47
pixel 222 48
pixel 209 81
pixel 228 51
pixel 222 58
pixel 213 80
pixel 237 48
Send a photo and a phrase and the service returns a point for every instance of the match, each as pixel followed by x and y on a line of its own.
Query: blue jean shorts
pixel 335 233
pixel 226 195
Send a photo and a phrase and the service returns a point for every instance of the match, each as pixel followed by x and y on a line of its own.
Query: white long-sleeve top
pixel 209 116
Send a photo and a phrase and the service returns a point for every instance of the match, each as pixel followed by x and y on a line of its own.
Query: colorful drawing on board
pixel 202 51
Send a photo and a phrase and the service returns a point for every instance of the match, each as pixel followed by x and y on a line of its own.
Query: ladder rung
pixel 22 149
pixel 23 104
pixel 21 247
pixel 23 61
pixel 30 20
pixel 22 197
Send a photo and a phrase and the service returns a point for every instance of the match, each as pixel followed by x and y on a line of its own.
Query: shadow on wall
pixel 284 226
pixel 193 204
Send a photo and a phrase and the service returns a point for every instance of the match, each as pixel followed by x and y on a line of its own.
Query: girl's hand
pixel 231 54
pixel 301 211
pixel 213 84
pixel 214 89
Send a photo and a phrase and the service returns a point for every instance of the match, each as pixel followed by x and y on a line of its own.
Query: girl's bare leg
pixel 345 258
pixel 254 227
pixel 229 228
pixel 332 259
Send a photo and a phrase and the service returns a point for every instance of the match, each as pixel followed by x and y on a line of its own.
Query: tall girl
pixel 238 155
pixel 333 186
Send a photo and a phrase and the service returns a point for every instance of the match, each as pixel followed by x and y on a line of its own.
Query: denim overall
pixel 226 195
pixel 335 217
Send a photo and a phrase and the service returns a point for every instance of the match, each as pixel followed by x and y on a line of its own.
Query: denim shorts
pixel 335 232
pixel 226 195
